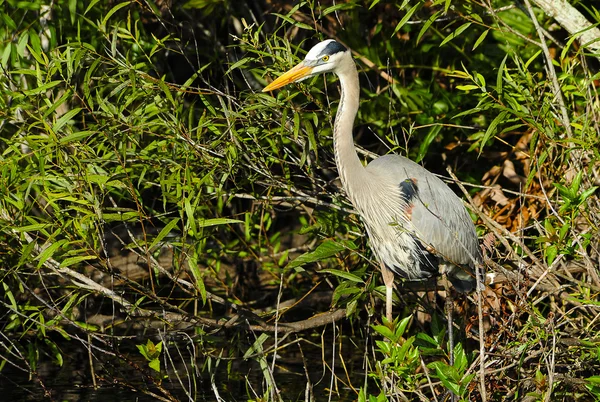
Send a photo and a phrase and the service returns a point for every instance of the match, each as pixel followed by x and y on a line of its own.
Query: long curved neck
pixel 350 168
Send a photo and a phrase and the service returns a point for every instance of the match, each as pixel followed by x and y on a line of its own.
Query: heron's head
pixel 324 57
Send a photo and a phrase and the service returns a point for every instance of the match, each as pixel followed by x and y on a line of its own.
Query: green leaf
pixel 595 379
pixel 74 260
pixel 8 293
pixel 456 33
pixel 446 374
pixel 256 347
pixel 338 7
pixel 73 10
pixel 42 88
pixel 587 193
pixel 428 340
pixel 468 87
pixel 342 274
pixel 374 3
pixel 155 365
pixel 406 17
pixel 576 183
pixel 90 6
pixel 193 264
pixel 164 232
pixel 32 228
pixel 238 64
pixel 551 252
pixel 293 22
pixel 64 119
pixel 203 223
pixel 401 327
pixel 111 12
pixel 22 44
pixel 77 136
pixel 500 74
pixel 324 250
pixel 480 39
pixel 492 128
pixel 427 24
pixel 6 55
pixel 385 331
pixel 49 252
pixel 429 138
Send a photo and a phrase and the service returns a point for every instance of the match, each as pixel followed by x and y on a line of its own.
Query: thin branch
pixel 551 72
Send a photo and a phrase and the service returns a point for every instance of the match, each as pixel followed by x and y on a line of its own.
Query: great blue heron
pixel 416 224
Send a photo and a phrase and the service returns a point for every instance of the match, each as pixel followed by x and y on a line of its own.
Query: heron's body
pixel 414 221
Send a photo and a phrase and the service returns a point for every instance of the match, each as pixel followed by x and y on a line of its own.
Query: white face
pixel 321 58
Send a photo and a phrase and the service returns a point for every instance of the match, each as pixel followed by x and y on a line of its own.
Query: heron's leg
pixel 388 280
pixel 449 309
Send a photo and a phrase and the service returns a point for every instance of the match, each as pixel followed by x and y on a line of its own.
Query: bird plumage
pixel 414 221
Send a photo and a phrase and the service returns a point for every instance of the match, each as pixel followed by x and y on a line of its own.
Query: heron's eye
pixel 325 58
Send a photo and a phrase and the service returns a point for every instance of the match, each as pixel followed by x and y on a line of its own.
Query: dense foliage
pixel 168 229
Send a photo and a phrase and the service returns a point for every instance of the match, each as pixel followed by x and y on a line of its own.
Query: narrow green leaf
pixel 132 216
pixel 427 24
pixel 468 87
pixel 49 252
pixel 480 39
pixel 343 274
pixel 431 135
pixel 74 260
pixel 32 228
pixel 595 379
pixel 77 136
pixel 203 223
pixel 447 6
pixel 193 264
pixel 22 44
pixel 338 7
pixel 6 54
pixel 492 128
pixel 587 193
pixel 64 119
pixel 90 6
pixel 256 347
pixel 164 232
pixel 238 64
pixel 374 3
pixel 293 22
pixel 42 88
pixel 112 11
pixel 8 293
pixel 324 250
pixel 532 58
pixel 456 33
pixel 166 90
pixel 402 325
pixel 10 23
pixel 405 19
pixel 73 10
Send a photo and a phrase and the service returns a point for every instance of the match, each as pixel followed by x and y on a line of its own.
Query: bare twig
pixel 551 72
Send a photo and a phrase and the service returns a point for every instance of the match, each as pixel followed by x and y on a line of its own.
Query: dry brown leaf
pixel 510 173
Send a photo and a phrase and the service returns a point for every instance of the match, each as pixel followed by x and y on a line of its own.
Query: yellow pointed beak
pixel 293 75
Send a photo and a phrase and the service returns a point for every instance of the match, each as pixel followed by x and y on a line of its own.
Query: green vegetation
pixel 168 229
